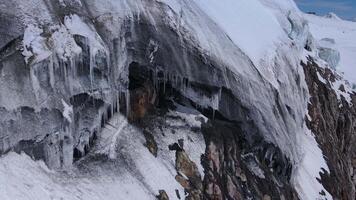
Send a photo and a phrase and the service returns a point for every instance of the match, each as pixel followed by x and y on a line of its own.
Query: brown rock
pixel 183 182
pixel 150 143
pixel 141 100
pixel 162 195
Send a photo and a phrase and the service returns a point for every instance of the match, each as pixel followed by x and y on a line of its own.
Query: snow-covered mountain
pixel 175 99
pixel 339 35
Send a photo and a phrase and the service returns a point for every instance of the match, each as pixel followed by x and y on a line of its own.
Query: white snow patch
pixel 67 111
pixel 61 2
pixel 21 178
pixel 128 142
pixel 39 48
pixel 77 26
pixel 307 171
pixel 346 94
pixel 252 165
pixel 64 43
pixel 134 174
pixel 34 45
pixel 249 25
pixel 194 143
pixel 321 78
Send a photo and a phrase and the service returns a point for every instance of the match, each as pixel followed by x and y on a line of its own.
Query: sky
pixel 343 8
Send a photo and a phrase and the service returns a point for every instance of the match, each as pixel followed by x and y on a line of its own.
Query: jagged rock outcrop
pixel 333 122
pixel 236 169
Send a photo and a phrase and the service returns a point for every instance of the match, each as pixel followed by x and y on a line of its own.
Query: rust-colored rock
pixel 141 100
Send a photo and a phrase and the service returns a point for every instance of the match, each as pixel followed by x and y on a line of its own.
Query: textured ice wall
pixel 182 38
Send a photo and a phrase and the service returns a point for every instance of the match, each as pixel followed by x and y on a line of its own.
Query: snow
pixel 194 143
pixel 321 78
pixel 133 173
pixel 256 34
pixel 67 111
pixel 307 171
pixel 61 2
pixel 173 4
pixel 343 33
pixel 156 173
pixel 266 31
pixel 253 166
pixel 328 52
pixel 332 15
pixel 64 43
pixel 37 48
pixel 21 178
pixel 77 26
pixel 34 44
pixel 346 94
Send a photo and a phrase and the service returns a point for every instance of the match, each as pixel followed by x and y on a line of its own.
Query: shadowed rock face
pixel 236 169
pixel 333 123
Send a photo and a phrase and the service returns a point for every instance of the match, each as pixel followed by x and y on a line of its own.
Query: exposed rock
pixel 162 195
pixel 150 143
pixel 188 174
pixel 142 93
pixel 188 168
pixel 227 175
pixel 334 123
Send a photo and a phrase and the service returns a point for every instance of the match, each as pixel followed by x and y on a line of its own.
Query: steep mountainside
pixel 171 99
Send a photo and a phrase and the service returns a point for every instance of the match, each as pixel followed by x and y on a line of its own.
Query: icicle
pixel 35 83
pixel 127 103
pixel 70 76
pixel 164 83
pixel 113 103
pixel 51 72
pixel 65 74
pixel 73 65
pixel 118 99
pixel 108 63
pixel 118 103
pixel 91 65
pixel 67 149
pixel 155 81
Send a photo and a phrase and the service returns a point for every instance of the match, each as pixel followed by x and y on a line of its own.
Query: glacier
pixel 69 68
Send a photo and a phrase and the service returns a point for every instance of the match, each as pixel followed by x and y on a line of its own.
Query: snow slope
pixel 344 33
pixel 120 167
pixel 253 28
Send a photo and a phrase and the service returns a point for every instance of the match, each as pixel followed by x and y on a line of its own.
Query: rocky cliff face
pixel 333 122
pixel 205 120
